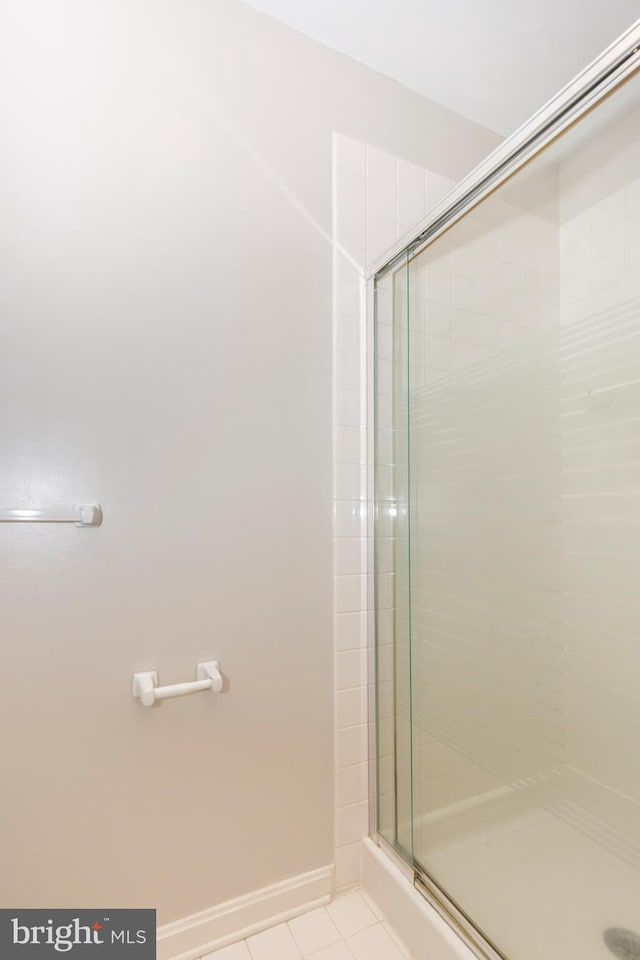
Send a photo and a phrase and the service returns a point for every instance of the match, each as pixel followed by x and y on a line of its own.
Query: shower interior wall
pixel 542 696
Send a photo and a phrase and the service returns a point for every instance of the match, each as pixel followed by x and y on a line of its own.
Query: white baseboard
pixel 192 937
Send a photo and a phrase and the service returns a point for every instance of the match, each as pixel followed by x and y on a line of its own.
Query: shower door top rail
pixel 619 60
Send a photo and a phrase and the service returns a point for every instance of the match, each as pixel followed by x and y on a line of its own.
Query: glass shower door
pixel 508 551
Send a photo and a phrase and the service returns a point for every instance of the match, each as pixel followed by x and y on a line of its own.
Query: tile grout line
pixel 359 915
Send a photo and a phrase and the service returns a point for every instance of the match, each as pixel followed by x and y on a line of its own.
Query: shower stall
pixel 507 535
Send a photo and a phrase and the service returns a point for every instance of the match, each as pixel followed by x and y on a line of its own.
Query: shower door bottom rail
pixel 469 933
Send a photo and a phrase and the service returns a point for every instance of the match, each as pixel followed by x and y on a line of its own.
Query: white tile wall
pixel 600 263
pixel 467 292
pixel 377 198
pixel 600 254
pixel 487 289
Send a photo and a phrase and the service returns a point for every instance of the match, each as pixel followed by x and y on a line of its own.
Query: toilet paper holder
pixel 145 684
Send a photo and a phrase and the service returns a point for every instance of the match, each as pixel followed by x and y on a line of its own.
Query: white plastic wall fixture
pixel 145 684
pixel 81 515
pixel 90 515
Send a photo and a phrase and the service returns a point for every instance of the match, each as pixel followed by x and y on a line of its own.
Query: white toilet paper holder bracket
pixel 145 684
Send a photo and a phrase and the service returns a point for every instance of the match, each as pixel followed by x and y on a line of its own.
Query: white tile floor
pixel 351 927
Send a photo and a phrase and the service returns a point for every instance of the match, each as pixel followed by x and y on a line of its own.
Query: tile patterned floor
pixel 351 927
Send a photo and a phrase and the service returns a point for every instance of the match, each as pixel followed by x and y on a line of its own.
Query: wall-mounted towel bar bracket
pixel 145 684
pixel 81 515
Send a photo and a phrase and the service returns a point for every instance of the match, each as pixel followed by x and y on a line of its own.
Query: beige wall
pixel 165 186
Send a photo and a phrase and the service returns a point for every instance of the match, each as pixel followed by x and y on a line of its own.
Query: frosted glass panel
pixel 520 391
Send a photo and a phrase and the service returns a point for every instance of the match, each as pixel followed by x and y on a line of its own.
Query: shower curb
pixel 419 925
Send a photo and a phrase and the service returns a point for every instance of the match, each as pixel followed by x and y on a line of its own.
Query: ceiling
pixel 494 61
